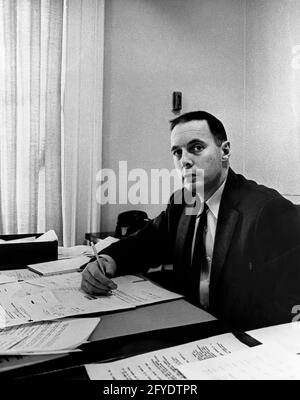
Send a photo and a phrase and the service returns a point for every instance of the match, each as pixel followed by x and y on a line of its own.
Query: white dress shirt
pixel 213 204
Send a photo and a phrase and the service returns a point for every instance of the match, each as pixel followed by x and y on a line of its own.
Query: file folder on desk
pixel 18 255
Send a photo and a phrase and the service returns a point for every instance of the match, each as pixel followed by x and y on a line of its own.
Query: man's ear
pixel 225 150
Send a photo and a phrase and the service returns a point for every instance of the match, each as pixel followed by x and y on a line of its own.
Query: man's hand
pixel 94 282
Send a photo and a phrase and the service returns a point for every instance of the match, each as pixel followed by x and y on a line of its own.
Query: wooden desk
pixel 124 334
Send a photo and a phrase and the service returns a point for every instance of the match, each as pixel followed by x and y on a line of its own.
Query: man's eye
pixel 177 153
pixel 197 147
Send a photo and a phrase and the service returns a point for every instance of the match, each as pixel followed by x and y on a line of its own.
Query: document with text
pixel 46 337
pixel 59 296
pixel 164 364
pixel 20 274
pixel 262 362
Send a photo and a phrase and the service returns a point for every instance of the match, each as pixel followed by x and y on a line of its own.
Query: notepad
pixel 59 266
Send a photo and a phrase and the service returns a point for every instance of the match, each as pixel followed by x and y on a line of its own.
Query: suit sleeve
pixel 148 247
pixel 277 230
pixel 276 263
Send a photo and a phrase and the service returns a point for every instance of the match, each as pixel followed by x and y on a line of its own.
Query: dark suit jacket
pixel 255 274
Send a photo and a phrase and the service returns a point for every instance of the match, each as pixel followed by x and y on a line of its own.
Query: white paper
pixel 141 293
pixel 287 335
pixel 48 336
pixel 164 364
pixel 59 296
pixel 10 289
pixel 7 279
pixel 262 362
pixel 59 266
pixel 84 250
pixel 48 236
pixel 21 274
pixel 103 243
pixel 70 280
pixel 75 251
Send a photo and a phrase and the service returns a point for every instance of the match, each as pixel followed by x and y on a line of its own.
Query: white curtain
pixel 30 133
pixel 51 77
pixel 82 117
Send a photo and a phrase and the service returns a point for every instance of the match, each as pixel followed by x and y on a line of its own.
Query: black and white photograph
pixel 149 194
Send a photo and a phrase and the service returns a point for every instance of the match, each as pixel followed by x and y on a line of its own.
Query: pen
pixel 97 258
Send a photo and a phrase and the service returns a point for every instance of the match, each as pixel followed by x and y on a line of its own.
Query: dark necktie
pixel 199 263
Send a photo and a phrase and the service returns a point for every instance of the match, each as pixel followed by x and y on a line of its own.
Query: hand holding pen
pixel 97 258
pixel 96 275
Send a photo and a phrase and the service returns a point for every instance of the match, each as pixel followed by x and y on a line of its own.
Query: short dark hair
pixel 216 127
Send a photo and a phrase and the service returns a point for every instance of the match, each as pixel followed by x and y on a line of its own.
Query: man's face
pixel 194 148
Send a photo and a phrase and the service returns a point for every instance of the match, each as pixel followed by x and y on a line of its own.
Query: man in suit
pixel 244 265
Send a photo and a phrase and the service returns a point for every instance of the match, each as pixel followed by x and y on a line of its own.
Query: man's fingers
pixel 89 288
pixel 95 271
pixel 109 265
pixel 94 282
pixel 92 286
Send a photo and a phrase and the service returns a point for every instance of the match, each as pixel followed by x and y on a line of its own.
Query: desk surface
pixel 124 334
pixel 149 318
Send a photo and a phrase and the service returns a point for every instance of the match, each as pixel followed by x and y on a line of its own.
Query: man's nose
pixel 186 160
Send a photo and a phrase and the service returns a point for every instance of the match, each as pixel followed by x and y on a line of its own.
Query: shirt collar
pixel 214 201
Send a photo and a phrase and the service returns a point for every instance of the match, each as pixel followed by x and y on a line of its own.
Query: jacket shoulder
pixel 250 192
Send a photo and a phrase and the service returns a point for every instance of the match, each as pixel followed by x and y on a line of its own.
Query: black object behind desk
pixel 128 333
pixel 18 255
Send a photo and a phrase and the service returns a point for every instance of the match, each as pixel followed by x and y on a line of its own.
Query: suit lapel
pixel 227 219
pixel 225 229
pixel 184 238
pixel 182 249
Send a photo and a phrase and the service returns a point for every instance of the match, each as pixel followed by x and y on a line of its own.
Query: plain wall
pixel 155 47
pixel 272 82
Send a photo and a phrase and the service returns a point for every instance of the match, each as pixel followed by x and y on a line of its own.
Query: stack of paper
pixel 75 251
pixel 83 250
pixel 49 236
pixel 46 337
pixel 59 266
pixel 59 296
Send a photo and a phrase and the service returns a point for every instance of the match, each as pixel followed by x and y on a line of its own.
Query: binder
pixel 18 255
